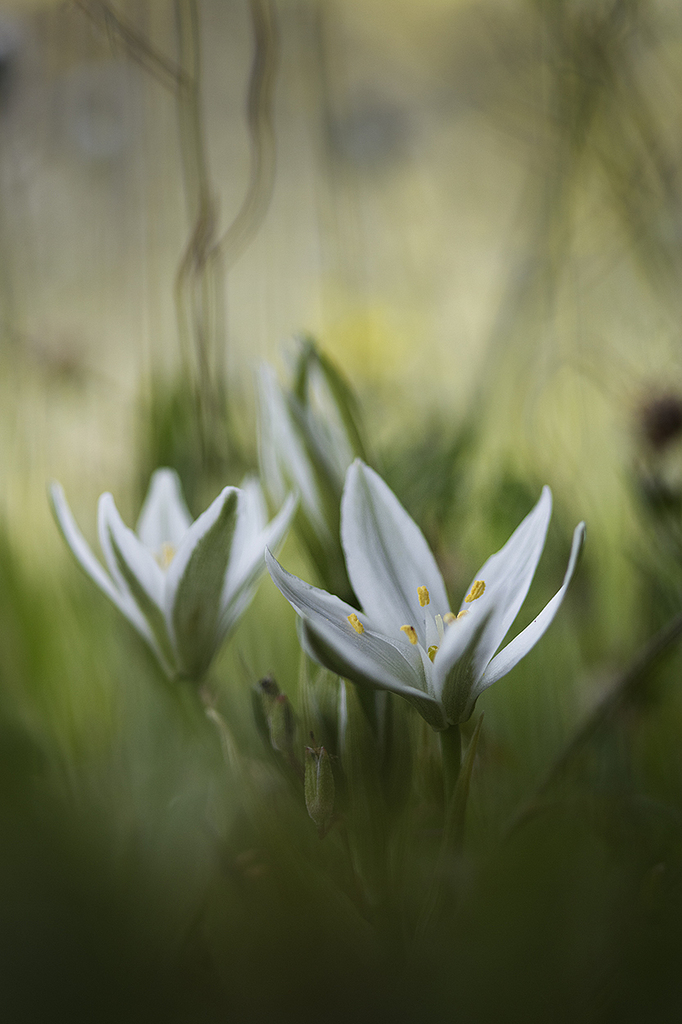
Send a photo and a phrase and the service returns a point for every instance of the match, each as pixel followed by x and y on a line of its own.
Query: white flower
pixel 182 584
pixel 406 639
pixel 309 433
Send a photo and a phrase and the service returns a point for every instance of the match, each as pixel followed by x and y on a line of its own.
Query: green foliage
pixel 278 845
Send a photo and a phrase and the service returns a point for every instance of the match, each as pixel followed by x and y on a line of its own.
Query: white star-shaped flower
pixel 182 584
pixel 405 638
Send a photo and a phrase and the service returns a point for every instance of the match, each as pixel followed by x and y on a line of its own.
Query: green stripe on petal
pixel 195 582
pixel 457 686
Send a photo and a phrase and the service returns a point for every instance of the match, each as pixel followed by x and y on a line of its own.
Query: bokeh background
pixel 475 207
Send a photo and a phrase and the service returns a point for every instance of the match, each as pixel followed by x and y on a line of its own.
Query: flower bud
pixel 279 716
pixel 319 787
pixel 310 432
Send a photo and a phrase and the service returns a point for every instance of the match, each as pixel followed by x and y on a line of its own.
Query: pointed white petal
pixel 456 640
pixel 128 559
pixel 137 573
pixel 252 517
pixel 507 576
pixel 120 597
pixel 520 646
pixel 386 554
pixel 281 435
pixel 369 657
pixel 454 667
pixel 316 647
pixel 243 578
pixel 324 422
pixel 81 549
pixel 269 405
pixel 164 518
pixel 195 582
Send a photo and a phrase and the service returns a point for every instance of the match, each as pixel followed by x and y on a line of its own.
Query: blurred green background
pixel 476 209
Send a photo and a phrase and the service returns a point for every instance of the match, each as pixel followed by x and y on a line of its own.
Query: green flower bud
pixel 279 716
pixel 319 787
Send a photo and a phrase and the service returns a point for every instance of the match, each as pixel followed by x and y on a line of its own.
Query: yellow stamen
pixel 476 591
pixel 448 618
pixel 423 595
pixel 164 556
pixel 356 624
pixel 460 615
pixel 410 632
pixel 432 651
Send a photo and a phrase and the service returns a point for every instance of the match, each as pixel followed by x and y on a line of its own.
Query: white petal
pixel 243 578
pixel 324 421
pixel 281 435
pixel 195 582
pixel 520 646
pixel 316 647
pixel 128 559
pixel 507 576
pixel 137 574
pixel 454 667
pixel 251 519
pixel 164 518
pixel 81 550
pixel 369 658
pixel 269 402
pixel 456 640
pixel 386 554
pixel 192 537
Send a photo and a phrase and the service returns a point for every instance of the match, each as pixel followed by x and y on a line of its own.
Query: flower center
pixel 164 556
pixel 434 625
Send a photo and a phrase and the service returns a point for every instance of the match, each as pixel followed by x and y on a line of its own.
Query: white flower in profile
pixel 309 431
pixel 405 638
pixel 182 584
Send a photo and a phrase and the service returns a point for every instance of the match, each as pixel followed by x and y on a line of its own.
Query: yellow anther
pixel 164 556
pixel 476 591
pixel 432 651
pixel 410 632
pixel 448 618
pixel 423 594
pixel 356 624
pixel 460 615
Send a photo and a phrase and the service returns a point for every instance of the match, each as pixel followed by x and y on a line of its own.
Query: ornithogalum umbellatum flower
pixel 404 637
pixel 182 584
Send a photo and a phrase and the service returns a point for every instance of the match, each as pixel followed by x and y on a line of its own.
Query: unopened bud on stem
pixel 319 787
pixel 279 716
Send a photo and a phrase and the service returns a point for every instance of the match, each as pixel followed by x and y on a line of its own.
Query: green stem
pixel 451 749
